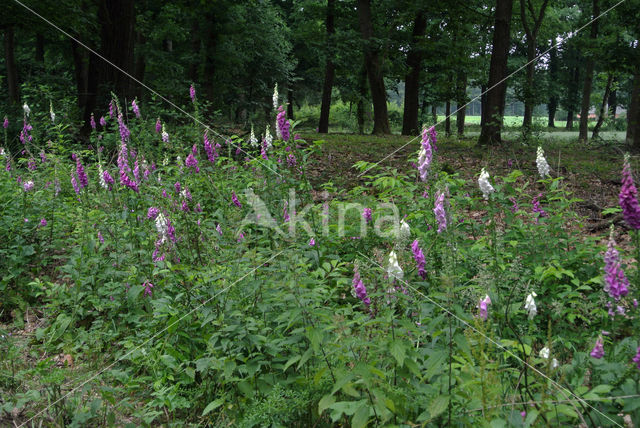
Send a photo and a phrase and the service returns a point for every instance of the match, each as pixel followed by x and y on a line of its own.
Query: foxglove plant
pixel 268 138
pixel 636 358
pixel 92 122
pixel 418 255
pixel 52 115
pixel 598 349
pixel 275 97
pixel 483 307
pixel 616 283
pixel 136 109
pixel 358 285
pixel 394 270
pixel 26 109
pixel 283 124
pixel 192 93
pixel 158 126
pixel 235 200
pixel 253 141
pixel 103 121
pixel 82 175
pixel 541 163
pixel 438 210
pixel 208 148
pixel 165 135
pixel 530 305
pixel 628 197
pixel 367 214
pixel 425 155
pixel 485 185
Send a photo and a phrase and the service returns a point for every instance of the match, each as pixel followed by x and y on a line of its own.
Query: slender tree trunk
pixel 588 80
pixel 633 112
pixel 329 70
pixel 603 107
pixel 140 62
pixel 117 20
pixel 210 46
pixel 196 50
pixel 527 119
pixel 573 97
pixel 410 124
pixel 290 103
pixel 552 105
pixel 613 100
pixel 490 132
pixel 81 72
pixel 362 87
pixel 483 104
pixel 461 100
pixel 40 48
pixel 10 64
pixel 447 118
pixel 374 70
pixel 434 113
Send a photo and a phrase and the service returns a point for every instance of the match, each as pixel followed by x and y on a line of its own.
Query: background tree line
pixel 356 51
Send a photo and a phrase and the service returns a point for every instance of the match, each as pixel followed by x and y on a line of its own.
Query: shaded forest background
pixel 424 58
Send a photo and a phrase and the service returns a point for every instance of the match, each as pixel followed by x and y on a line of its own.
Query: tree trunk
pixel 373 62
pixel 40 48
pixel 447 118
pixel 633 112
pixel 527 119
pixel 588 80
pixel 210 47
pixel 461 101
pixel 81 72
pixel 140 64
pixel 410 124
pixel 483 104
pixel 552 105
pixel 329 71
pixel 532 37
pixel 492 111
pixel 290 103
pixel 613 100
pixel 434 114
pixel 573 97
pixel 10 64
pixel 117 20
pixel 603 107
pixel 362 86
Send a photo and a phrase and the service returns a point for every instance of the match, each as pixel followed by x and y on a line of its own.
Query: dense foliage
pixel 171 276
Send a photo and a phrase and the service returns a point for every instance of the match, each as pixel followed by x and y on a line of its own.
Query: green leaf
pixel 438 405
pixel 398 352
pixel 325 402
pixel 361 417
pixel 291 361
pixel 213 405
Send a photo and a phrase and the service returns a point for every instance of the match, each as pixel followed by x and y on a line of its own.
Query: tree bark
pixel 140 62
pixel 573 97
pixel 290 103
pixel 410 124
pixel 447 118
pixel 10 64
pixel 434 113
pixel 494 108
pixel 613 100
pixel 588 80
pixel 81 71
pixel 532 37
pixel 552 105
pixel 329 71
pixel 603 107
pixel 117 20
pixel 362 87
pixel 40 48
pixel 633 112
pixel 373 62
pixel 461 101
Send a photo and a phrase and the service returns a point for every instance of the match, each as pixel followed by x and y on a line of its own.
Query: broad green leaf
pixel 361 417
pixel 398 351
pixel 213 405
